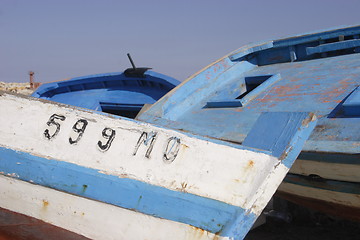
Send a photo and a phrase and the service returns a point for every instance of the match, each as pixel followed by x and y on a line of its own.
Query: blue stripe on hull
pixel 204 213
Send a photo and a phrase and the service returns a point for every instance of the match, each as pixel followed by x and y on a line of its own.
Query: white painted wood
pixel 203 168
pixel 267 190
pixel 242 177
pixel 89 218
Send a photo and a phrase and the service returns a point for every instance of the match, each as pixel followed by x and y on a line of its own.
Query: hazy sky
pixel 70 38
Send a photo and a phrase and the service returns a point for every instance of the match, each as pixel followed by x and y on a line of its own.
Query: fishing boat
pixel 120 93
pixel 314 72
pixel 104 176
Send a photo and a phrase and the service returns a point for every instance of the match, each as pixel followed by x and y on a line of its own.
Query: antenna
pixel 134 71
pixel 131 61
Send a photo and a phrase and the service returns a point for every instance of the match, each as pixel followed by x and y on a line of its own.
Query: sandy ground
pixel 22 88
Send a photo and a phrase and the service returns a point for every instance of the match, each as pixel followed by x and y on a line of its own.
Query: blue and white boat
pixel 120 93
pixel 314 72
pixel 104 176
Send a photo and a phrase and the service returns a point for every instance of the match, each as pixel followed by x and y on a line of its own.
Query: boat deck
pixel 320 86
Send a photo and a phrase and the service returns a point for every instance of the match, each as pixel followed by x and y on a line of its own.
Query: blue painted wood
pixel 99 91
pixel 321 83
pixel 293 56
pixel 295 48
pixel 224 71
pixel 253 86
pixel 318 86
pixel 351 106
pixel 261 88
pixel 245 51
pixel 333 46
pixel 205 213
pixel 273 131
pixel 236 230
pixel 326 34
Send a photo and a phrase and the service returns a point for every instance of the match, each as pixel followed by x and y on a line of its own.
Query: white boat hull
pixel 113 178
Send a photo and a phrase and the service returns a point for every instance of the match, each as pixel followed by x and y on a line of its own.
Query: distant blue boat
pixel 314 72
pixel 119 93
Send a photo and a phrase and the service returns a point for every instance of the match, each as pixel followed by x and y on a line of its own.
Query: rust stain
pixel 249 165
pixel 334 94
pixel 184 146
pixel 217 67
pixel 294 79
pixel 320 128
pixel 330 137
pixel 183 186
pixel 45 204
pixel 284 93
pixel 330 95
pixel 124 175
pixel 198 233
pixel 309 119
pixel 283 155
